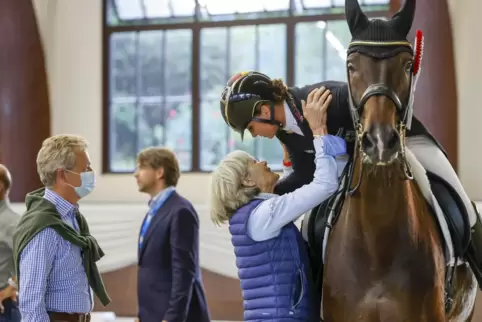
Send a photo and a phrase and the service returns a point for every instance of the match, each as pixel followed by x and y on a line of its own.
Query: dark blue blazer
pixel 169 277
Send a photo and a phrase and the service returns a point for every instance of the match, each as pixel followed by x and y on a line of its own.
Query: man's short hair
pixel 58 152
pixel 157 158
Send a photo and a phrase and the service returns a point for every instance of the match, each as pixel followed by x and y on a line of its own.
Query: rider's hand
pixel 315 108
pixel 286 155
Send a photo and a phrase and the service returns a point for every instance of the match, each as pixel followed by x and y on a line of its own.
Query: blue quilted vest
pixel 274 274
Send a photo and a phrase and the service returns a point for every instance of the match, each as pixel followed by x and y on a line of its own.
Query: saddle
pixel 326 215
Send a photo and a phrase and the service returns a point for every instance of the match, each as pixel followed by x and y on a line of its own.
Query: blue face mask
pixel 87 183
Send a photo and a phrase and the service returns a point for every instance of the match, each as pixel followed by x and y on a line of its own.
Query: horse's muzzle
pixel 380 144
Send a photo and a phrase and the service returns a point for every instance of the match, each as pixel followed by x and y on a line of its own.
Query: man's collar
pixel 64 207
pixel 160 194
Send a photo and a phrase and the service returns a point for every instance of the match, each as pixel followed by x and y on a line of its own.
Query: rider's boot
pixel 474 251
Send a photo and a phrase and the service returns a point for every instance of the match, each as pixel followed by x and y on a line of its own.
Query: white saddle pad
pixel 420 176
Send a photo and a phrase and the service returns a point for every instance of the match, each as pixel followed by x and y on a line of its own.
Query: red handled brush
pixel 418 52
pixel 417 63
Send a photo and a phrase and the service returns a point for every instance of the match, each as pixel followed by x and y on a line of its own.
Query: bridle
pixel 404 112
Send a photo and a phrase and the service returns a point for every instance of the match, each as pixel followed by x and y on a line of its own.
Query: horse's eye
pixel 350 67
pixel 408 66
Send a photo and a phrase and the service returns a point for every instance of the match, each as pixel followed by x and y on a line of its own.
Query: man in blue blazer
pixel 169 278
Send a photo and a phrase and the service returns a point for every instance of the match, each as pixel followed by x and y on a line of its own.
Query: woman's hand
pixel 315 108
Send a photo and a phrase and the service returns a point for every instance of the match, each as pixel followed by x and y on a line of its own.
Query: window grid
pixel 290 21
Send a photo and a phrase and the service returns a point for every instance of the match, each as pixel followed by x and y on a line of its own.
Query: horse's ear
pixel 357 20
pixel 403 19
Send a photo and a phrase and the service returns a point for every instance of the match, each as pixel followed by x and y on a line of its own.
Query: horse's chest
pixel 371 266
pixel 379 245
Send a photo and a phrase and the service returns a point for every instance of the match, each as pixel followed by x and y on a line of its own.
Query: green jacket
pixel 42 214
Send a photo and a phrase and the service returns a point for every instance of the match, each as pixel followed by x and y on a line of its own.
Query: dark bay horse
pixel 385 255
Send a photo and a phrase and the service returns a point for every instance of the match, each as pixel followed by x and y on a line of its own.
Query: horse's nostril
pixel 380 139
pixel 392 140
pixel 367 141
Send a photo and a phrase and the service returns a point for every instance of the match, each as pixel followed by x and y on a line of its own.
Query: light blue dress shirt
pixel 271 215
pixel 52 274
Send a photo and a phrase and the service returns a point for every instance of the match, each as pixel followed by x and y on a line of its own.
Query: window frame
pixel 196 26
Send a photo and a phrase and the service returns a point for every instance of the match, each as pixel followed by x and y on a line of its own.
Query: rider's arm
pixel 287 165
pixel 338 116
pixel 271 215
pixel 301 173
pixel 287 170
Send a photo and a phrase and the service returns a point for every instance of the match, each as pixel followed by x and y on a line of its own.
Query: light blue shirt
pixel 52 274
pixel 154 204
pixel 271 215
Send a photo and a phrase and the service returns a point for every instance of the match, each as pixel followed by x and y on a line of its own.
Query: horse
pixel 385 255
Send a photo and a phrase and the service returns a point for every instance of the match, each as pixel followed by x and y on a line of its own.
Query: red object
pixel 287 164
pixel 418 52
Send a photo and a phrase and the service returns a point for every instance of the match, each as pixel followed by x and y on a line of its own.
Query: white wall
pixel 116 226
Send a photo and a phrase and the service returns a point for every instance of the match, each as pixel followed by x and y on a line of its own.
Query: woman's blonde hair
pixel 228 193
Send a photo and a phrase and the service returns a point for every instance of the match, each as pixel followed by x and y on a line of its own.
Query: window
pixel 225 51
pixel 320 58
pixel 150 95
pixel 166 63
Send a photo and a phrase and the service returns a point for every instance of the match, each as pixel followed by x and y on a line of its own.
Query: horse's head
pixel 380 77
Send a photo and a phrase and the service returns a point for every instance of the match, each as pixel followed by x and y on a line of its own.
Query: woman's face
pixel 261 176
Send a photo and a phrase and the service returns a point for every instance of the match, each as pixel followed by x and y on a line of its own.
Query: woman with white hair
pixel 271 256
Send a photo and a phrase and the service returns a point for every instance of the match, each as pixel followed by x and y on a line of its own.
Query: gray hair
pixel 228 193
pixel 58 152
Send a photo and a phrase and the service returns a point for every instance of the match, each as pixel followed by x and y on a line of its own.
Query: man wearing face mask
pixel 54 253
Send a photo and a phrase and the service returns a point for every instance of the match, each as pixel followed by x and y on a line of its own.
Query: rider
pixel 267 107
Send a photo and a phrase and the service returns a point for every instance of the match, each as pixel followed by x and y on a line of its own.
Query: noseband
pixel 404 112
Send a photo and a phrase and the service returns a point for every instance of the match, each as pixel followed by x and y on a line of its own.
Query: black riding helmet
pixel 242 94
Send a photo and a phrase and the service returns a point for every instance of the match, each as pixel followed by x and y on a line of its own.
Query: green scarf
pixel 41 214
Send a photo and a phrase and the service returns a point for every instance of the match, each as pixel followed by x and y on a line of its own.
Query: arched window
pixel 167 61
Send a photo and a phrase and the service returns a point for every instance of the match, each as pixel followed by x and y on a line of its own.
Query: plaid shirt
pixel 52 274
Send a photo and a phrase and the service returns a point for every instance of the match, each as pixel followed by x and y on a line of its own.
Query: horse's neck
pixel 382 186
pixel 385 198
pixel 386 224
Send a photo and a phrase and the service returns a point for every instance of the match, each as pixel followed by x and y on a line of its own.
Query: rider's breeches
pixel 433 160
